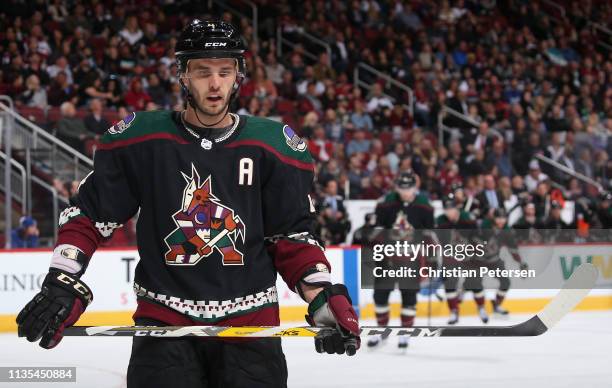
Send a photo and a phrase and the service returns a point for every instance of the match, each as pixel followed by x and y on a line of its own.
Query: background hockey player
pixel 224 206
pixel 402 213
pixel 458 227
pixel 497 234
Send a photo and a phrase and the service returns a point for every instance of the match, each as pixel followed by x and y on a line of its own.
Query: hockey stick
pixel 574 290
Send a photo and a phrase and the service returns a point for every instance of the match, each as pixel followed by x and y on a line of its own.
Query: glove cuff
pixel 325 295
pixel 70 283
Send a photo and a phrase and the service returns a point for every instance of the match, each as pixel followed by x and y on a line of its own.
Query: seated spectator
pixel 360 119
pixel 61 66
pixel 483 140
pixel 287 89
pixel 330 171
pixel 274 69
pixel 424 154
pixel 450 176
pixel 541 199
pixel 85 73
pixel 71 129
pixel 556 228
pixel 35 68
pixel 556 152
pixel 320 148
pixel 92 87
pixel 157 91
pixel 373 187
pixel 358 143
pixel 113 86
pixel 310 100
pixel 333 217
pixel 34 95
pixel 377 101
pixel 322 70
pixel 307 80
pixel 252 109
pixel 329 99
pixel 535 176
pixel 94 121
pixel 136 98
pixel 61 91
pixel 430 182
pixel 499 158
pixel 26 235
pixel 490 198
pixel 131 32
pixel 176 99
pixel 342 86
pixel 260 86
pixel 528 219
pixel 333 127
pixel 356 174
pixel 311 120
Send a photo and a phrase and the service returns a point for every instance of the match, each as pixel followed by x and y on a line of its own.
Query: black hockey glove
pixel 59 304
pixel 333 307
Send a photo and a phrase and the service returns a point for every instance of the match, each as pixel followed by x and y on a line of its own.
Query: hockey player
pixel 401 212
pixel 224 206
pixel 497 234
pixel 458 226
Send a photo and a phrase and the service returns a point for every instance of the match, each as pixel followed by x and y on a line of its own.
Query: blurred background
pixel 493 104
pixel 508 97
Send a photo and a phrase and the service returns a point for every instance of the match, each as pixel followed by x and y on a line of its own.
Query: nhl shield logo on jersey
pixel 203 226
pixel 123 124
pixel 293 140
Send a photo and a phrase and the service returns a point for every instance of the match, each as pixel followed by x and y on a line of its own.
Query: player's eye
pixel 199 74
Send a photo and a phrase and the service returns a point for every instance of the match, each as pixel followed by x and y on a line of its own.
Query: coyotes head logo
pixel 203 225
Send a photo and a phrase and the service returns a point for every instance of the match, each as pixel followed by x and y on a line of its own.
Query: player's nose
pixel 215 82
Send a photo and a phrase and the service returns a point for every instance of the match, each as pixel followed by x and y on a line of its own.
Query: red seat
pixel 53 114
pixel 285 106
pixel 386 138
pixel 82 113
pixel 34 114
pixel 111 116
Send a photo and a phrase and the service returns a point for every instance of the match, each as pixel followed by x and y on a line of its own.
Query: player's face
pixel 407 195
pixel 500 222
pixel 211 81
pixel 452 214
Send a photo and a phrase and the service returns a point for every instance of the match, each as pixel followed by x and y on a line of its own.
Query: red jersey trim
pixel 285 159
pixel 139 139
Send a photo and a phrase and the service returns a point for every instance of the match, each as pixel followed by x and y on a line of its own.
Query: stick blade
pixel 577 287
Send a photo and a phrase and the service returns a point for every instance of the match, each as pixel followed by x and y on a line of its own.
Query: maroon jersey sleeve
pixel 289 217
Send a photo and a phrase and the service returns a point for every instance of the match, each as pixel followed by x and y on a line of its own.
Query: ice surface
pixel 576 353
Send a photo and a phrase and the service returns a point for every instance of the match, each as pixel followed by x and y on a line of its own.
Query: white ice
pixel 576 353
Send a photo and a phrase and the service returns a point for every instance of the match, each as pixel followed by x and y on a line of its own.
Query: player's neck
pixel 215 121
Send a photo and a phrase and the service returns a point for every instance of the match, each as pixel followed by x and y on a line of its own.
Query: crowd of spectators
pixel 536 84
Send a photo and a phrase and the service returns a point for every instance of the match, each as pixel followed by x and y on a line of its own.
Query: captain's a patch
pixel 295 142
pixel 122 125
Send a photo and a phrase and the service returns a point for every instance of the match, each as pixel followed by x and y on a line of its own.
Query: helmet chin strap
pixel 196 107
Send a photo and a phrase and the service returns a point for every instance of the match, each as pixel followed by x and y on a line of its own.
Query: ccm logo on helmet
pixel 215 44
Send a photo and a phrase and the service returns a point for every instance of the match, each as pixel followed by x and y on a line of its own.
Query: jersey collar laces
pixel 208 135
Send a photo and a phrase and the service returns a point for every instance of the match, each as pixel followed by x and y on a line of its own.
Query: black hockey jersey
pixel 393 213
pixel 218 219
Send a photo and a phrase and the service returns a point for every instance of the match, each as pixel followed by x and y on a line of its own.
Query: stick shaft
pixel 574 290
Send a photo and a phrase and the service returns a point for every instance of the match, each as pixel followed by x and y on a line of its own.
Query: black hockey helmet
pixel 406 180
pixel 210 39
pixel 449 201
